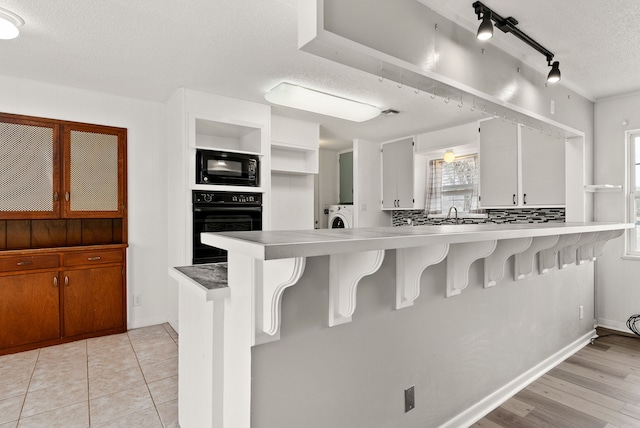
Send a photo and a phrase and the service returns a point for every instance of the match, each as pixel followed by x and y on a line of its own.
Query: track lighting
pixel 508 25
pixel 485 31
pixel 554 74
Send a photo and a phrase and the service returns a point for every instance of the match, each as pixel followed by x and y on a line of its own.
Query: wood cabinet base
pixel 60 295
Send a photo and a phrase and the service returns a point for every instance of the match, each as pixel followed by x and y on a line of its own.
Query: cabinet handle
pixel 514 199
pixel 524 199
pixel 56 196
pixel 55 282
pixel 66 281
pixel 93 259
pixel 67 196
pixel 26 263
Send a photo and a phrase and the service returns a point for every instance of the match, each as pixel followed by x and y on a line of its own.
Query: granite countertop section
pixel 270 245
pixel 211 276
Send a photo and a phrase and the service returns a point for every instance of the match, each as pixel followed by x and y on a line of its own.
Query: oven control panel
pixel 226 198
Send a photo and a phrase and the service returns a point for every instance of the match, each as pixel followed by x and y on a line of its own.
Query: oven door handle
pixel 225 209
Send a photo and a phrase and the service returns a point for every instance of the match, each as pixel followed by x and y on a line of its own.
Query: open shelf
pixel 603 188
pixel 227 137
pixel 292 159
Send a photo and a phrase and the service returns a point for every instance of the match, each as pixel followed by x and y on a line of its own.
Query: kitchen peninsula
pixel 303 375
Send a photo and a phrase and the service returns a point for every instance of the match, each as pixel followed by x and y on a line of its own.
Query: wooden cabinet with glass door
pixel 63 196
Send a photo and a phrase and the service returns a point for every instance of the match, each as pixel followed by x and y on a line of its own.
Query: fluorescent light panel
pixel 298 97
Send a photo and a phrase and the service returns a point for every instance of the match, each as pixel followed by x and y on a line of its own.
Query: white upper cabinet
pixel 543 168
pixel 520 167
pixel 403 177
pixel 498 164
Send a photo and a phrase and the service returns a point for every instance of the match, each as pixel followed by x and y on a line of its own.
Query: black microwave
pixel 225 168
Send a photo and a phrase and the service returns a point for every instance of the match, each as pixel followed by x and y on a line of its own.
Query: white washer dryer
pixel 340 216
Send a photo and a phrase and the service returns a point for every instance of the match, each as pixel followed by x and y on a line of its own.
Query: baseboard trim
pixel 613 325
pixel 495 400
pixel 145 322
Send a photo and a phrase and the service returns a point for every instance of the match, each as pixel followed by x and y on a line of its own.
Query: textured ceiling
pixel 146 49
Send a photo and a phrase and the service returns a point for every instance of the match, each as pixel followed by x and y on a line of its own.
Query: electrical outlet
pixel 409 398
pixel 581 311
pixel 552 108
pixel 137 300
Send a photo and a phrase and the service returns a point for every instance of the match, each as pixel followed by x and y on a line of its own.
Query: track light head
pixel 554 74
pixel 485 31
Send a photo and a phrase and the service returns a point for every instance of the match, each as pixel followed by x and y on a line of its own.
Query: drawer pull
pixel 93 259
pixel 66 281
pixel 55 282
pixel 26 263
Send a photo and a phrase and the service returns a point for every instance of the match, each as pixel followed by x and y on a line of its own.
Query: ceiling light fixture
pixel 449 156
pixel 9 24
pixel 508 25
pixel 289 95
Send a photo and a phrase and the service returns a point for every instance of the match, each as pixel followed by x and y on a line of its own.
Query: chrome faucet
pixel 449 213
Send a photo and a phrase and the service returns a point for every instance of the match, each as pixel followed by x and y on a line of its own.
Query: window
pixel 633 238
pixel 453 184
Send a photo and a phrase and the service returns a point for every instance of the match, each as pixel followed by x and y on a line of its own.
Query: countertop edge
pixel 388 238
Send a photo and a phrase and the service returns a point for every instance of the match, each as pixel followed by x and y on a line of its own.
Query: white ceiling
pixel 146 49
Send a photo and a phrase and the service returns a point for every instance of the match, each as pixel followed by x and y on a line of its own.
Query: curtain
pixel 433 202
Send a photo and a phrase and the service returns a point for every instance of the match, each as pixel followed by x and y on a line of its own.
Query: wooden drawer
pixel 18 263
pixel 92 257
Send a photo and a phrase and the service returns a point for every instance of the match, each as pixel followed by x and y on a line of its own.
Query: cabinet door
pixel 29 161
pixel 404 172
pixel 94 171
pixel 543 168
pixel 93 300
pixel 29 309
pixel 498 164
pixel 389 188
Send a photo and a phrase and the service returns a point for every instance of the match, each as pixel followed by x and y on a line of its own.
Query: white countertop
pixel 270 245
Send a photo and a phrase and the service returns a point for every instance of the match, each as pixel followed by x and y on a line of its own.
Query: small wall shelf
pixel 293 159
pixel 593 188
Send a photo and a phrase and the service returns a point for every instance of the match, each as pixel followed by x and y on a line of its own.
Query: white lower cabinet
pixel 520 167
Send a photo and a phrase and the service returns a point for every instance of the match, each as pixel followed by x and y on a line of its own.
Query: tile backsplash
pixel 525 215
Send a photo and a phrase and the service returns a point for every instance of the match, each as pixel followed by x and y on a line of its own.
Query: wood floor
pixel 598 387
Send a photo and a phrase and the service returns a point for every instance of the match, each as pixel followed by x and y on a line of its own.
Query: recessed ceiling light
pixel 9 24
pixel 288 95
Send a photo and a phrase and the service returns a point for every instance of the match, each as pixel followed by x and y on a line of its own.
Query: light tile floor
pixel 124 380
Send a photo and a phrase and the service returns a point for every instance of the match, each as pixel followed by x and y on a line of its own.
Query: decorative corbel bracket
pixel 459 261
pixel 589 252
pixel 345 272
pixel 524 261
pixel 548 257
pixel 272 278
pixel 568 254
pixel 495 262
pixel 410 263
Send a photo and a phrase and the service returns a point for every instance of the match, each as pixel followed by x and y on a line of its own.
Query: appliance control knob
pixel 205 179
pixel 207 197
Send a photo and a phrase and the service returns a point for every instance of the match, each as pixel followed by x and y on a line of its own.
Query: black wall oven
pixel 222 212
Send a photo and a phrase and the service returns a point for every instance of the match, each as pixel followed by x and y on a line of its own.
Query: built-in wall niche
pixel 292 159
pixel 36 233
pixel 227 137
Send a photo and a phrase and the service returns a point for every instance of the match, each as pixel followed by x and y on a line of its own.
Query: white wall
pixel 464 137
pixel 456 351
pixel 147 163
pixel 367 196
pixel 618 294
pixel 291 202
